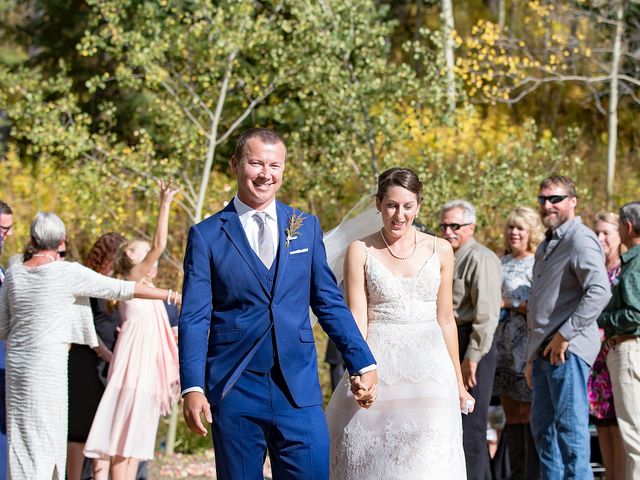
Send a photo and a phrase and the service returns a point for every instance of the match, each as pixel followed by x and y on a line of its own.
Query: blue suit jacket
pixel 227 306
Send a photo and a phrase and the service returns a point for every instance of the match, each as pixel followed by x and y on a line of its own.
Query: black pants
pixel 474 426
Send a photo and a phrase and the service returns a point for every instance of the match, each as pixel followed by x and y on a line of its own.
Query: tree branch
pixel 184 108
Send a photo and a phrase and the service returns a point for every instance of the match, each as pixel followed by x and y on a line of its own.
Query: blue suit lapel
pixel 284 213
pixel 233 228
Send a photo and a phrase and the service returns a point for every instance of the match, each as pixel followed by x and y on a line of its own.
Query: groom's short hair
pixel 266 136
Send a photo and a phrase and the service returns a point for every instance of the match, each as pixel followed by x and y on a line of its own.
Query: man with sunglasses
pixel 570 289
pixel 476 305
pixel 6 230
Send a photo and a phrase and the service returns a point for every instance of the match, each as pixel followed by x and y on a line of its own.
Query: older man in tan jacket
pixel 476 301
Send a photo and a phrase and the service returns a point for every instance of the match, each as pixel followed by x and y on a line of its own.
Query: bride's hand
pixel 364 388
pixel 467 402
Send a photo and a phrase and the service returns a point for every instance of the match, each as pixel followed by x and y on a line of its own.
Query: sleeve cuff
pixel 567 331
pixel 192 389
pixel 473 355
pixel 369 368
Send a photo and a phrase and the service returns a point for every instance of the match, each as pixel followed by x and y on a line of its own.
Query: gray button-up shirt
pixel 570 289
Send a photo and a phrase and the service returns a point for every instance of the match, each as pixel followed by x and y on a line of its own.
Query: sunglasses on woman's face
pixel 553 199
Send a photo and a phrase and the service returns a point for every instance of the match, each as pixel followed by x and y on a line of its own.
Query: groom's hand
pixel 195 403
pixel 364 388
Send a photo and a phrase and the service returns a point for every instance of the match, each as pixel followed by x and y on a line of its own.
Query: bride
pixel 398 286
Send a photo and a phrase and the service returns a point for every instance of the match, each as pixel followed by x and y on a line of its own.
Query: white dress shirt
pixel 251 226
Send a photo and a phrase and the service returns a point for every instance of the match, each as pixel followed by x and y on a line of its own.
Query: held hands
pixel 556 349
pixel 469 369
pixel 195 403
pixel 364 388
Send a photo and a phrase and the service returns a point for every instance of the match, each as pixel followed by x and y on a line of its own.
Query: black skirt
pixel 85 391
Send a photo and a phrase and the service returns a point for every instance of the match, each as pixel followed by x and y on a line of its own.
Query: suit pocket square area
pixel 296 252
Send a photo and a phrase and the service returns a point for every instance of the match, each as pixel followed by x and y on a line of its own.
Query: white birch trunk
pixel 213 138
pixel 447 19
pixel 613 102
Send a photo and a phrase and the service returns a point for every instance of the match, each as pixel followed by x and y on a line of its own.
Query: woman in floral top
pixel 600 394
pixel 522 235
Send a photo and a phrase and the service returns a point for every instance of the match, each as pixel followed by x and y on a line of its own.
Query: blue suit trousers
pixel 258 416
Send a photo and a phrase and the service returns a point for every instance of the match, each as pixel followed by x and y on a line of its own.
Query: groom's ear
pixel 233 163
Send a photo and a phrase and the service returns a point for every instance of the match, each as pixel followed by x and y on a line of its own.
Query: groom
pixel 247 351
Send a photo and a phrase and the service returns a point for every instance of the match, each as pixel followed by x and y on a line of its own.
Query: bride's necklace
pixel 415 246
pixel 44 255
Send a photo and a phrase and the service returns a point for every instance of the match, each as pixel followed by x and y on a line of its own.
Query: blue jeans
pixel 560 418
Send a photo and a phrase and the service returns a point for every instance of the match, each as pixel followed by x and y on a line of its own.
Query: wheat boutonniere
pixel 295 222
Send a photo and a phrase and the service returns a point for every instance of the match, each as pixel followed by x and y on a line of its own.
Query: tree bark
pixel 213 135
pixel 612 141
pixel 448 24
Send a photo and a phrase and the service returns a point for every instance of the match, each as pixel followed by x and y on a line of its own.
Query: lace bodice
pixel 394 299
pixel 402 320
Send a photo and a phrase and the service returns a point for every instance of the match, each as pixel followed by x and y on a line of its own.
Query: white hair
pixel 630 212
pixel 47 231
pixel 468 210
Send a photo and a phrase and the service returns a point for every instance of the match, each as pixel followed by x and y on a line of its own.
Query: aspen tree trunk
pixel 613 102
pixel 447 19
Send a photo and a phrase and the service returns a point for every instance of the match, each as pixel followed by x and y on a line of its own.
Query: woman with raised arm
pixel 143 374
pixel 398 285
pixel 44 307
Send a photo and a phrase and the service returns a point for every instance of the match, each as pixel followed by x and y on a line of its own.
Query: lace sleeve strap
pixel 435 243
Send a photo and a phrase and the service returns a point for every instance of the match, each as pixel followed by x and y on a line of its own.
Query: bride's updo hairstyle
pixel 399 177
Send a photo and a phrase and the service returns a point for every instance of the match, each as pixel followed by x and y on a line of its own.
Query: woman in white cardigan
pixel 44 307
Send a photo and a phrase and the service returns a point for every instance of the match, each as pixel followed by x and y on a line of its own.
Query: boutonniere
pixel 295 222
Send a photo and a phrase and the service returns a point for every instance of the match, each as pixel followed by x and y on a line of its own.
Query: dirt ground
pixel 194 467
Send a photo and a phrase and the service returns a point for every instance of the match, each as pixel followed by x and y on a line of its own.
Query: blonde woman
pixel 523 233
pixel 599 384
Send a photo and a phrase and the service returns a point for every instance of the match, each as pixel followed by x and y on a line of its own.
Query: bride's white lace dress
pixel 414 429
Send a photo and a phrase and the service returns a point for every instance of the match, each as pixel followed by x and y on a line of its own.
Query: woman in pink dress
pixel 143 375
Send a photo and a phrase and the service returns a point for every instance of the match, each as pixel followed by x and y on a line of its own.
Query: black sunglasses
pixel 62 253
pixel 453 226
pixel 553 199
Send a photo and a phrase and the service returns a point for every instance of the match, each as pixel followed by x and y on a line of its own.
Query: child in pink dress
pixel 143 376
